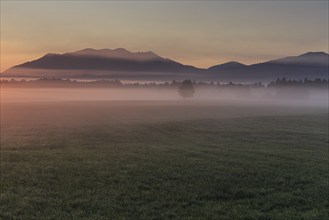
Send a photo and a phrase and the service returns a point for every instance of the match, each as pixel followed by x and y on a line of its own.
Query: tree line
pixel 59 82
pixel 283 82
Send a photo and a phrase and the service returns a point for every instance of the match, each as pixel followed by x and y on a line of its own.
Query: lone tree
pixel 186 89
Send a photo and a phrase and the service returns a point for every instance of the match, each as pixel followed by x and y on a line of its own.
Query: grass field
pixel 163 160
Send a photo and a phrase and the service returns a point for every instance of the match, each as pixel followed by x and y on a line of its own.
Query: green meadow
pixel 163 160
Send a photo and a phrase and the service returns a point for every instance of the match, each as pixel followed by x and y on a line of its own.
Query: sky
pixel 199 33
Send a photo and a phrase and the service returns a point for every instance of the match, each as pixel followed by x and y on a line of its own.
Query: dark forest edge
pixel 115 83
pixel 281 88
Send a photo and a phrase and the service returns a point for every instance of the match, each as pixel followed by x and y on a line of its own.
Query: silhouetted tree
pixel 186 89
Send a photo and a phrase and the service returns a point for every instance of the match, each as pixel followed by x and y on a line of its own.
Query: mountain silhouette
pixel 309 65
pixel 122 64
pixel 310 58
pixel 106 59
pixel 227 66
pixel 119 53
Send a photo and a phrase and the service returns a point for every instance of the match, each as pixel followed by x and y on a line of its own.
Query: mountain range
pixel 123 64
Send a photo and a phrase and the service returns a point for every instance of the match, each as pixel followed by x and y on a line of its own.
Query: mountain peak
pixel 227 65
pixel 118 53
pixel 50 54
pixel 233 63
pixel 310 58
pixel 119 50
pixel 121 63
pixel 87 49
pixel 319 53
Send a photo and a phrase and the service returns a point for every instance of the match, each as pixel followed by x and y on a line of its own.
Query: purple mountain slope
pixel 123 64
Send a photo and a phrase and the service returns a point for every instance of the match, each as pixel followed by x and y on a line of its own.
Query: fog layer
pixel 285 96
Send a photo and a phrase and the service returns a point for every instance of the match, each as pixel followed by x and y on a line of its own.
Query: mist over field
pixel 140 152
pixel 288 96
pixel 57 109
pixel 159 110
